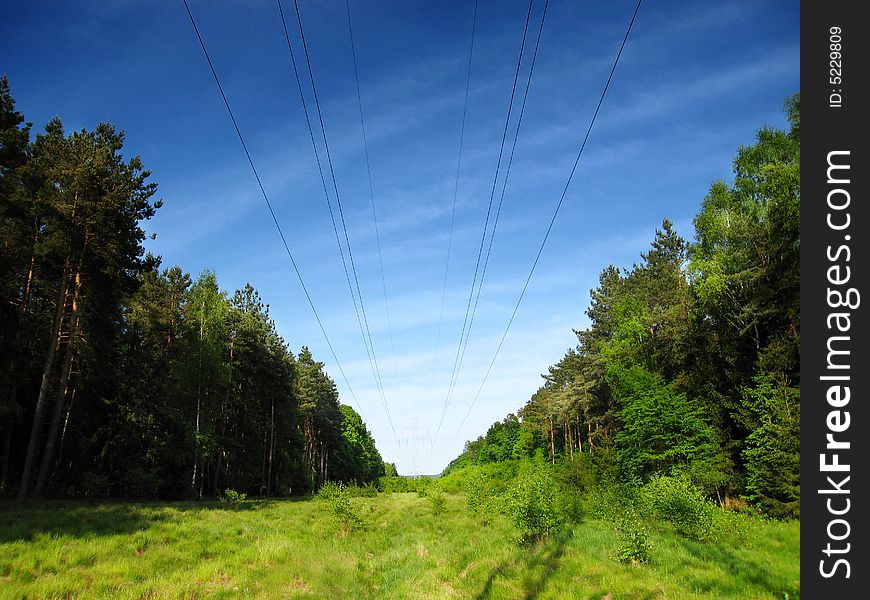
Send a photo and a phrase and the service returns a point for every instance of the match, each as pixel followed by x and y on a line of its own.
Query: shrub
pixel 580 473
pixel 339 499
pixel 675 500
pixel 570 505
pixel 231 496
pixel 437 499
pixel 635 546
pixel 497 475
pixel 732 526
pixel 330 490
pixel 367 490
pixel 478 496
pixel 531 504
pixel 612 502
pixel 92 485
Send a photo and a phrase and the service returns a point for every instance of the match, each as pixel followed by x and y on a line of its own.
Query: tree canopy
pixel 690 364
pixel 122 378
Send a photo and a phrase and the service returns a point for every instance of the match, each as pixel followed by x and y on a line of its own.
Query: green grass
pixel 297 549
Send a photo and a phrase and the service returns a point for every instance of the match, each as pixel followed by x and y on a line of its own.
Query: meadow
pixel 405 547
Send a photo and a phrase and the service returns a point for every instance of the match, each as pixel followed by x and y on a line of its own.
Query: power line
pixel 269 206
pixel 456 182
pixel 371 187
pixel 504 185
pixel 363 322
pixel 553 218
pixel 462 334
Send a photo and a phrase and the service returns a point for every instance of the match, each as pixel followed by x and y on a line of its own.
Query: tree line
pixel 122 378
pixel 690 364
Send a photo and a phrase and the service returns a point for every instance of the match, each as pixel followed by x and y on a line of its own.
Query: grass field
pixel 297 549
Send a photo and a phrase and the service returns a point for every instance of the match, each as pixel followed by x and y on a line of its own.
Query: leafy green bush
pixel 497 475
pixel 613 502
pixel 231 496
pixel 330 490
pixel 677 501
pixel 580 473
pixel 531 503
pixel 437 499
pixel 478 496
pixel 733 526
pixel 570 504
pixel 635 546
pixel 368 490
pixel 93 485
pixel 339 499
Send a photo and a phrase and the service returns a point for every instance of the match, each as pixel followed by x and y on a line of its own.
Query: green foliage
pixel 357 457
pixel 532 505
pixel 330 490
pixel 635 547
pixel 494 476
pixel 436 498
pixel 478 495
pixel 677 501
pixel 233 497
pixel 662 431
pixel 614 502
pixel 338 497
pixel 503 441
pixel 773 448
pixel 399 484
pixel 367 490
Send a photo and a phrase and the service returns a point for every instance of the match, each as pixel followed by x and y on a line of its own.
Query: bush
pixel 339 499
pixel 93 485
pixel 677 501
pixel 437 499
pixel 232 497
pixel 330 490
pixel 580 473
pixel 570 505
pixel 368 490
pixel 531 504
pixel 479 496
pixel 497 475
pixel 635 547
pixel 613 502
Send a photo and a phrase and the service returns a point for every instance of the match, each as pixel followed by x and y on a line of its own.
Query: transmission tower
pixel 416 435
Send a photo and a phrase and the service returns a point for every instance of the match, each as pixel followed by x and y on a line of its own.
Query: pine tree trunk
pixel 579 437
pixel 13 378
pixel 219 467
pixel 65 424
pixel 552 441
pixel 7 449
pixel 47 370
pixel 198 403
pixel 264 465
pixel 62 388
pixel 271 449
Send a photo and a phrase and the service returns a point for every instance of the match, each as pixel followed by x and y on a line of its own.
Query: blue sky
pixel 696 80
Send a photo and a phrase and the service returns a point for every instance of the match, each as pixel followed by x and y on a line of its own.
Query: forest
pixel 690 365
pixel 162 433
pixel 120 378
